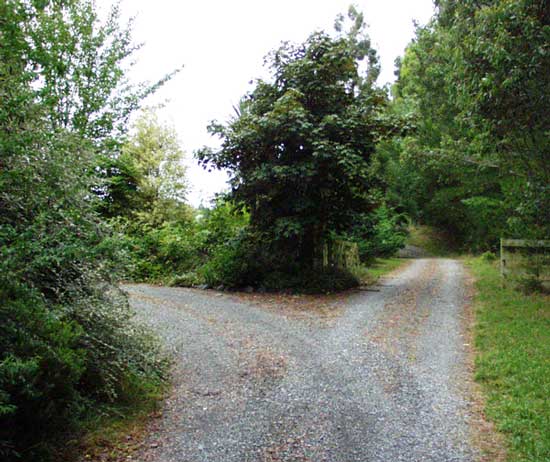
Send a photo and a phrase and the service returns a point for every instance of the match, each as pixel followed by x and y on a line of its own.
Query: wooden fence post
pixel 502 263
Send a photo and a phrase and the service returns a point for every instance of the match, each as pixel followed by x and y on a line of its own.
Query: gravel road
pixel 372 376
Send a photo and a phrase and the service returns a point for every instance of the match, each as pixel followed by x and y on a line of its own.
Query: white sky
pixel 222 43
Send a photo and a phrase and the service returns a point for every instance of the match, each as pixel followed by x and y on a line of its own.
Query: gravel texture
pixel 384 378
pixel 412 251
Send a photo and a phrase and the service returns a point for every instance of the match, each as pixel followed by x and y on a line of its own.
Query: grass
pixel 512 336
pixel 435 242
pixel 377 268
pixel 114 433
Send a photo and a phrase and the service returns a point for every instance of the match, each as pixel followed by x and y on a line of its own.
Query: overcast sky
pixel 222 43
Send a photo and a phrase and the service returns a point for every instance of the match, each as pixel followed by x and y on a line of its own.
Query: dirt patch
pixel 260 364
pixel 322 307
pixel 400 322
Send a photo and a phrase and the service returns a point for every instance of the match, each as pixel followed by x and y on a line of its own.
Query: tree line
pixel 475 81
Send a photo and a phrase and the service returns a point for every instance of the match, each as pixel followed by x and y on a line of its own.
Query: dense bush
pixel 249 259
pixel 230 264
pixel 379 234
pixel 218 248
pixel 174 251
pixel 475 81
pixel 68 347
pixel 58 361
pixel 68 342
pixel 40 368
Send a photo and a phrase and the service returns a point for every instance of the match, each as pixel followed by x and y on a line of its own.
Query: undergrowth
pixel 114 433
pixel 377 268
pixel 435 242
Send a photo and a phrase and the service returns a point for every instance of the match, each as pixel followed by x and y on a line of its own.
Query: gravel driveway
pixel 372 376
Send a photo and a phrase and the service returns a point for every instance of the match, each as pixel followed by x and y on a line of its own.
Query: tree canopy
pixel 299 151
pixel 476 80
pixel 147 179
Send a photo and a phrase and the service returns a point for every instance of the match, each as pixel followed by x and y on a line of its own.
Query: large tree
pixel 502 85
pixel 298 153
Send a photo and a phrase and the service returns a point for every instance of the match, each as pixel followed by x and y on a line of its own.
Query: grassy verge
pixel 114 434
pixel 377 268
pixel 512 337
pixel 433 241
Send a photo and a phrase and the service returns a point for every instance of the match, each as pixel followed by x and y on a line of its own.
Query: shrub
pixel 379 234
pixel 57 362
pixel 250 260
pixel 41 365
pixel 166 251
pixel 189 279
pixel 118 349
pixel 231 264
pixel 488 256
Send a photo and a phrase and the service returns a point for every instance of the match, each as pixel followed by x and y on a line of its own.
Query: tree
pixel 503 91
pixel 439 172
pixel 476 80
pixel 67 342
pixel 147 181
pixel 156 157
pixel 299 150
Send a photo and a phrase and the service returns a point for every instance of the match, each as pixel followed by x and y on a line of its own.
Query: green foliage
pixel 146 182
pixel 379 234
pixel 299 151
pixel 476 81
pixel 164 239
pixel 67 344
pixel 189 279
pixel 158 252
pixel 174 251
pixel 40 367
pixel 231 264
pixel 513 345
pixel 488 256
pixel 247 261
pixel 120 352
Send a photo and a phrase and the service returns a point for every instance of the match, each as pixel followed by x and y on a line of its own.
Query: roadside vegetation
pixel 475 85
pixel 69 348
pixel 512 338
